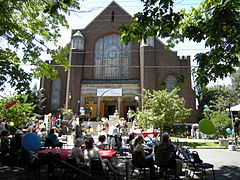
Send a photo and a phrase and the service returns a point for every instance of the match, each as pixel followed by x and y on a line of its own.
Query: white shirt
pixel 113 131
pixel 89 154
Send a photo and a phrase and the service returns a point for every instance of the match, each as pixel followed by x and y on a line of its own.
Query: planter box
pixel 232 147
pixel 223 142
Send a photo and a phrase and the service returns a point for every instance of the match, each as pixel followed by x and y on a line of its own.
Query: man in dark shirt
pixel 165 155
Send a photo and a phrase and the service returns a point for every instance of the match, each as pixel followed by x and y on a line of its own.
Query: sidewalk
pixel 226 163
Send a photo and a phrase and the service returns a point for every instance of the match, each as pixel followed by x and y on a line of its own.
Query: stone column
pixel 82 101
pixel 98 108
pixel 119 104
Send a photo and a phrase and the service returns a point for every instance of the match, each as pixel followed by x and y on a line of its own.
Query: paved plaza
pixel 227 163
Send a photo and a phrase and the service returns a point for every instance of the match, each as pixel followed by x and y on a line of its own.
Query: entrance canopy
pixel 235 108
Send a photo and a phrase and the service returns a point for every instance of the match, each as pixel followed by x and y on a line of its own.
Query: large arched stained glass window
pixel 55 94
pixel 111 58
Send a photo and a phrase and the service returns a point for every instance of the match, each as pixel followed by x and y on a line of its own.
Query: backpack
pixel 195 157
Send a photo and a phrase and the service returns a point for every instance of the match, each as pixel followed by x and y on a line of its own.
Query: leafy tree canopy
pixel 26 26
pixel 235 77
pixel 216 22
pixel 220 97
pixel 221 122
pixel 23 109
pixel 161 109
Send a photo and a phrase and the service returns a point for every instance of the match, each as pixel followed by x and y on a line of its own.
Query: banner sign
pixel 109 92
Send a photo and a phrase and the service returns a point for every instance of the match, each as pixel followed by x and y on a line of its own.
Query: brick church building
pixel 106 75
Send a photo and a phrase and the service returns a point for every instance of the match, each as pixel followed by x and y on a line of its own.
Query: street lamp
pixel 137 99
pixel 77 42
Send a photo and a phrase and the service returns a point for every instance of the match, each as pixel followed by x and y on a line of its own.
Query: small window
pixel 113 14
pixel 171 82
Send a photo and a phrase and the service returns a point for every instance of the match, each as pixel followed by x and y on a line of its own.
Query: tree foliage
pixel 235 77
pixel 36 97
pixel 216 22
pixel 26 26
pixel 218 98
pixel 161 109
pixel 23 109
pixel 221 122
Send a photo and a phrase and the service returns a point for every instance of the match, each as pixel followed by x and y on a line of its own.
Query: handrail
pixel 73 167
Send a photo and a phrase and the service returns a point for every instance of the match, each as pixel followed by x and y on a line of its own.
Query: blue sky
pixel 91 8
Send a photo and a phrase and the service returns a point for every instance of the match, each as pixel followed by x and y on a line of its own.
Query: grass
pixel 197 144
pixel 201 144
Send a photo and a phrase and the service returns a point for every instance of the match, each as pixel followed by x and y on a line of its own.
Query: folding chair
pixel 96 168
pixel 137 162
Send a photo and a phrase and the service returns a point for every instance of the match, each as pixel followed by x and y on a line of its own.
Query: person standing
pixel 129 115
pixel 79 128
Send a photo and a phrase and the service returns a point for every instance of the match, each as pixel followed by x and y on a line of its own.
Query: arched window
pixel 111 58
pixel 55 94
pixel 171 82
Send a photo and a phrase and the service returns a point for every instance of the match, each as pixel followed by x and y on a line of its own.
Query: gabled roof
pixel 112 4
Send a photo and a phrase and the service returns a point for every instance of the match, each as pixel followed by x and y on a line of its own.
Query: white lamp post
pixel 137 100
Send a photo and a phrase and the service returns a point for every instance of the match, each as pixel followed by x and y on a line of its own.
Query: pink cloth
pixel 148 133
pixel 64 153
pixel 107 153
pixel 144 134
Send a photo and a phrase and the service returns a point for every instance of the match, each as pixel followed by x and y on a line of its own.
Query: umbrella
pixel 235 108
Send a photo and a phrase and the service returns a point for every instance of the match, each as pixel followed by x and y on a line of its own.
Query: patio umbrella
pixel 235 108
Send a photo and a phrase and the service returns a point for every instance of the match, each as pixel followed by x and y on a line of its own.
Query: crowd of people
pixel 154 152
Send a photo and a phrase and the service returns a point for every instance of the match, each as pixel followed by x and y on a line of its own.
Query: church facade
pixel 106 75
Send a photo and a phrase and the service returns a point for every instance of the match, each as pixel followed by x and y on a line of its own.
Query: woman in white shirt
pixel 91 151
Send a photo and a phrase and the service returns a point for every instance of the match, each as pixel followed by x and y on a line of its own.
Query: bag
pixel 195 157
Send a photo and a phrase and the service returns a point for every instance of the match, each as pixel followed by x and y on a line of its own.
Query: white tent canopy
pixel 235 108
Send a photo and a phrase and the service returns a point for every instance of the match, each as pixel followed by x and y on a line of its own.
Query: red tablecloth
pixel 148 133
pixel 64 153
pixel 107 153
pixel 144 134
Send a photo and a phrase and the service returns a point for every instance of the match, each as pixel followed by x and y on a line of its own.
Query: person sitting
pixel 77 152
pixel 147 161
pixel 101 140
pixel 16 141
pixel 4 146
pixel 165 155
pixel 90 151
pixel 52 140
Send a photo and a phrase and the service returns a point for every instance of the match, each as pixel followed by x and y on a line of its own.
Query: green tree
pixel 26 26
pixel 216 22
pixel 218 98
pixel 235 77
pixel 221 122
pixel 161 109
pixel 36 97
pixel 18 112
